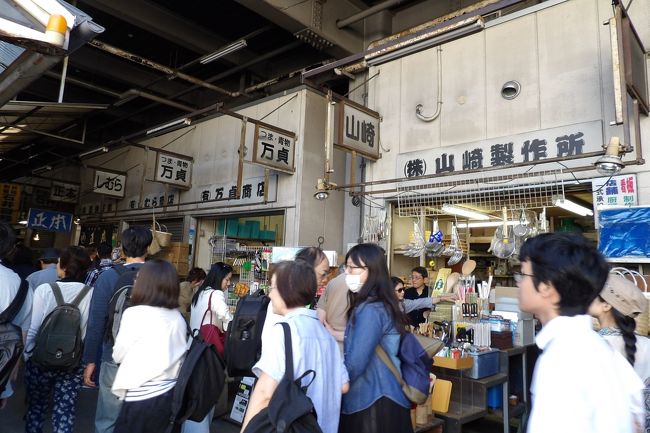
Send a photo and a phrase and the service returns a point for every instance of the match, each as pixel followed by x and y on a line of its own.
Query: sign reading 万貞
pixel 109 183
pixel 63 191
pixel 39 219
pixel 358 129
pixel 174 169
pixel 274 148
pixel 565 142
pixel 614 191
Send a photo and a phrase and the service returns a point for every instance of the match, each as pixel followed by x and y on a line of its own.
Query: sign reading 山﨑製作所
pixel 565 142
pixel 50 220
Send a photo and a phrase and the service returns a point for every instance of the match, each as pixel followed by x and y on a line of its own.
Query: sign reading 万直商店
pixel 565 142
pixel 109 183
pixel 274 148
pixel 357 129
pixel 174 169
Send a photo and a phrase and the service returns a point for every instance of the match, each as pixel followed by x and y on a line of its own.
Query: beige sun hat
pixel 624 295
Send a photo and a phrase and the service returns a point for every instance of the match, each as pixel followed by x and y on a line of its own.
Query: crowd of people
pixel 581 383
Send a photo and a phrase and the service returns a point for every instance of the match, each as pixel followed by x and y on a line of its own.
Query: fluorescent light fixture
pixel 228 49
pixel 23 222
pixel 378 58
pixel 573 207
pixel 185 120
pixel 467 213
pixel 42 169
pixel 482 224
pixel 102 149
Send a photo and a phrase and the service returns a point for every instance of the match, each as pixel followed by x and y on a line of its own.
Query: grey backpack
pixel 58 344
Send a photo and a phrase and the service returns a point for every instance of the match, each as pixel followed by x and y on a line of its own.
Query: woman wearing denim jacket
pixel 375 402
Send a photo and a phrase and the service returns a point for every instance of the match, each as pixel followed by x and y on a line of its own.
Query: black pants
pixel 145 416
pixel 384 416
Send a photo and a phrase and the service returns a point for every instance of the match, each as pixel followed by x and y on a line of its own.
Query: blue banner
pixel 50 220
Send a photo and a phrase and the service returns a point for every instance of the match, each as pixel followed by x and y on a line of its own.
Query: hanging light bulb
pixel 36 238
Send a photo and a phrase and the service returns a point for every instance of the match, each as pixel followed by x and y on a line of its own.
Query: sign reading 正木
pixel 252 191
pixel 174 169
pixel 40 219
pixel 274 148
pixel 531 147
pixel 64 191
pixel 109 183
pixel 357 129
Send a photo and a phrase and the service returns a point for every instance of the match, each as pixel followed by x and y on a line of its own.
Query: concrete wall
pixel 558 51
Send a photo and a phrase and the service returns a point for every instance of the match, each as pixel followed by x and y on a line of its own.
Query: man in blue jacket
pixel 135 242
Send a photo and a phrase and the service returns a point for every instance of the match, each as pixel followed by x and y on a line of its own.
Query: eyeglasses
pixel 400 290
pixel 519 276
pixel 350 268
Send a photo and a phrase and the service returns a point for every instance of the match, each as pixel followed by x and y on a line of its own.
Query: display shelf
pixel 513 412
pixel 462 413
pixel 490 381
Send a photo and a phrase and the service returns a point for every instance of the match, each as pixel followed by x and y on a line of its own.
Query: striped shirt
pixel 150 389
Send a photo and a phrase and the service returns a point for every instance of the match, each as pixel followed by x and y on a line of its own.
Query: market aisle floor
pixel 11 418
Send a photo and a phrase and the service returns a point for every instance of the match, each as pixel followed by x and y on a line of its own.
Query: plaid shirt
pixel 92 275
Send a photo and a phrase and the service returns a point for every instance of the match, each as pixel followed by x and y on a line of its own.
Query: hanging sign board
pixel 109 183
pixel 65 192
pixel 10 201
pixel 357 128
pixel 274 148
pixel 533 148
pixel 39 219
pixel 614 191
pixel 174 169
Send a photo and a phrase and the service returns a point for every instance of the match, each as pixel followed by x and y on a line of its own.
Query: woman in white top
pixel 213 291
pixel 149 347
pixel 293 285
pixel 618 304
pixel 60 386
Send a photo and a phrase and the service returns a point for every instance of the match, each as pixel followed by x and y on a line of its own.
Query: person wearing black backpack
pixel 277 404
pixel 10 284
pixel 44 382
pixel 135 241
pixel 376 402
pixel 149 348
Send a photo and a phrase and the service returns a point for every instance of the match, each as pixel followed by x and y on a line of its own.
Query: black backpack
pixel 11 336
pixel 289 410
pixel 121 299
pixel 200 381
pixel 58 344
pixel 244 337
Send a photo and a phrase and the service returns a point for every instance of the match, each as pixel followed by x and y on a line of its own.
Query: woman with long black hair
pixel 375 402
pixel 209 307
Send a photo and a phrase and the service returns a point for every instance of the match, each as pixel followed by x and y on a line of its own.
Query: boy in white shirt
pixel 580 385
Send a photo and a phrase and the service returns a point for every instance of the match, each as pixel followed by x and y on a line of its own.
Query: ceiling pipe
pixel 366 13
pixel 158 67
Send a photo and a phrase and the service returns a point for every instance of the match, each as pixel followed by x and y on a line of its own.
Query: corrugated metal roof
pixel 8 54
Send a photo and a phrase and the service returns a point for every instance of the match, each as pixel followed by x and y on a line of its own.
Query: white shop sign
pixel 65 192
pixel 357 129
pixel 174 169
pixel 252 191
pixel 274 148
pixel 109 183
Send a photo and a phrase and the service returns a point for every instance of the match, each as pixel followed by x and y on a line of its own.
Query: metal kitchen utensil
pixel 505 246
pixel 522 229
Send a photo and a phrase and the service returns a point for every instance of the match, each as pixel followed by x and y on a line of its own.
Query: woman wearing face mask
pixel 375 402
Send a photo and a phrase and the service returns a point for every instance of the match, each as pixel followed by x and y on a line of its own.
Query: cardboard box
pixel 182 269
pixel 453 363
pixel 524 334
pixel 177 252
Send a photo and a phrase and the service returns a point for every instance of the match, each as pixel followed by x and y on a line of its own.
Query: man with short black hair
pixel 47 274
pixel 135 242
pixel 9 286
pixel 104 251
pixel 419 290
pixel 580 384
